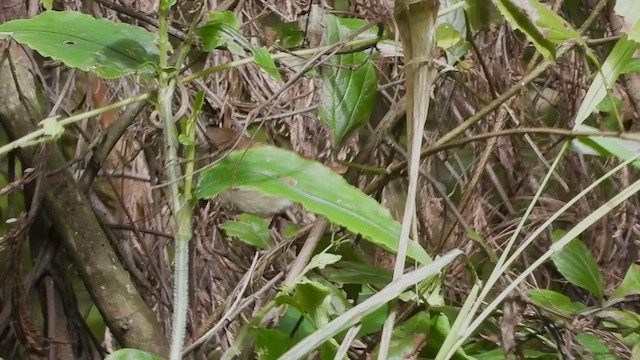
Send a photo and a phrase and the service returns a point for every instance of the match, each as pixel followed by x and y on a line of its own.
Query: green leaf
pixel 289 34
pixel 351 272
pixel 634 33
pixel 272 343
pixel 373 322
pixel 250 229
pixel 131 354
pixel 447 36
pixel 609 72
pixel 632 66
pixel 405 337
pixel 198 102
pixel 109 49
pixel 262 58
pixel 52 128
pixel 595 347
pixel 606 146
pixel 349 86
pixel 578 266
pixel 185 140
pixel 212 33
pixel 529 354
pixel 284 173
pixel 47 4
pixel 542 26
pixel 320 261
pixel 630 284
pixel 310 295
pixel 554 301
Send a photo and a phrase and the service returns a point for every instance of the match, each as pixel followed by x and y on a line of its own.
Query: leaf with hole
pixel 250 229
pixel 319 189
pixel 349 86
pixel 109 49
pixel 578 266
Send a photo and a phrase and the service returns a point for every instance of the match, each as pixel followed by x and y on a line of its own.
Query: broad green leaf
pixel 262 58
pixel 543 27
pixel 632 66
pixel 212 33
pixel 310 295
pixel 630 284
pixel 554 301
pixel 293 321
pixel 578 266
pixel 628 319
pixel 250 229
pixel 271 344
pixel 373 322
pixel 349 86
pixel 405 337
pixel 447 36
pixel 283 173
pixel 594 347
pixel 440 328
pixel 625 323
pixel 635 352
pixel 131 354
pixel 351 272
pixel 320 261
pixel 109 49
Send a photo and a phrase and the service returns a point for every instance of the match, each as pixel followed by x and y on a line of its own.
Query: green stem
pixel 30 138
pixel 277 56
pixel 179 207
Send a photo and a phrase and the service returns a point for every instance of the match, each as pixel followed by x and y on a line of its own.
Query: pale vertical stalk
pixel 181 213
pixel 416 24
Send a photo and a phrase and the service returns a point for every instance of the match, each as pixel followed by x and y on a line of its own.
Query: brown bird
pixel 247 199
